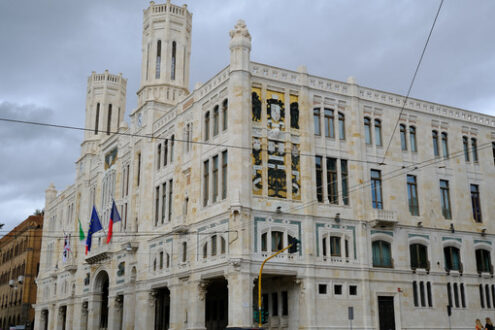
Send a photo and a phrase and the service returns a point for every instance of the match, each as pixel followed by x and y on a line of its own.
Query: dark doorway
pixel 162 309
pixel 217 305
pixel 63 314
pixel 386 312
pixel 102 283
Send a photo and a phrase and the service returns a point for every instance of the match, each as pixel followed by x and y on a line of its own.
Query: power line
pixel 413 79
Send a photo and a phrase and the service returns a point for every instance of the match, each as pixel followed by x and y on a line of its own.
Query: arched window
pixel 419 256
pixel 403 141
pixel 216 120
pixel 214 245
pixel 207 126
pixel 412 138
pixel 436 150
pixel 316 120
pixel 109 119
pixel 483 261
pixel 158 58
pixel 341 126
pixel 205 250
pixel 329 123
pixel 378 132
pixel 445 145
pixel 159 156
pixel 97 117
pixel 465 145
pixel 382 255
pixel 223 245
pixel 172 69
pixel 225 107
pixel 474 149
pixel 452 258
pixel 367 130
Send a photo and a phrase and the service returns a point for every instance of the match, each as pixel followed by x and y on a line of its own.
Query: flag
pixel 81 232
pixel 65 254
pixel 94 226
pixel 114 217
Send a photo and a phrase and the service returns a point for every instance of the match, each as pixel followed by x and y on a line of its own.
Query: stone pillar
pixel 115 313
pixel 59 320
pixel 197 295
pixel 39 319
pixel 240 287
pixel 83 322
pixel 52 317
pixel 176 307
pixel 306 302
pixel 145 309
pixel 94 309
pixel 129 310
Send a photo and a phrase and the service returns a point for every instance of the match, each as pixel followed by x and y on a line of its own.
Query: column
pixel 197 295
pixel 306 302
pixel 177 307
pixel 94 309
pixel 145 309
pixel 70 316
pixel 115 312
pixel 84 316
pixel 129 310
pixel 39 319
pixel 240 286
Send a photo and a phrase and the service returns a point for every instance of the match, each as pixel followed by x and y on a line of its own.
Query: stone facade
pixel 19 264
pixel 211 182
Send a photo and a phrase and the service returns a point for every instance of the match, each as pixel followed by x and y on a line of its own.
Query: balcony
pixel 383 218
pixel 99 254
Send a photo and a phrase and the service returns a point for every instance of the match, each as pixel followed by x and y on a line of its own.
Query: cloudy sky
pixel 48 49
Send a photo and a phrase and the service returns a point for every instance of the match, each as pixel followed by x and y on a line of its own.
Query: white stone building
pixel 209 182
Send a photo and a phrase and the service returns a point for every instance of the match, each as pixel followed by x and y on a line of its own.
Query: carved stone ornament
pixel 202 289
pixel 240 30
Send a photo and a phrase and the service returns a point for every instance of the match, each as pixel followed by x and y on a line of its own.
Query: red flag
pixel 114 217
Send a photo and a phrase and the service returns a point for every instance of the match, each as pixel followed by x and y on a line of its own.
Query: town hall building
pixel 210 182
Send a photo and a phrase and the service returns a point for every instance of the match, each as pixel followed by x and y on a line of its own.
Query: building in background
pixel 19 265
pixel 210 182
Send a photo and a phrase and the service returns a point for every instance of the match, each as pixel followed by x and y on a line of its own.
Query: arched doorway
pixel 101 289
pixel 217 304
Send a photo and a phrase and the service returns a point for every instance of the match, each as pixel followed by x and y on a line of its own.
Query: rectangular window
pixel 161 259
pixel 216 120
pixel 412 138
pixel 378 132
pixel 322 288
pixel 345 181
pixel 170 199
pixel 138 168
pixel 367 130
pixel 335 250
pixel 332 181
pixel 274 304
pixel 403 141
pixel 412 195
pixel 215 178
pixel 172 140
pixel 337 289
pixel 319 178
pixel 341 126
pixel 225 114
pixel 159 156
pixel 165 152
pixel 482 298
pixel 224 174
pixel 316 119
pixel 206 179
pixel 184 251
pixel 474 149
pixel 436 150
pixel 285 303
pixel 475 202
pixel 376 189
pixel 329 123
pixel 445 199
pixel 164 201
pixel 207 126
pixel 157 204
pixel 352 290
pixel 465 146
pixel 415 294
pixel 445 145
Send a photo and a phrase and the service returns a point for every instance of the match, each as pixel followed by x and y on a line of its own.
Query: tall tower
pixel 105 107
pixel 166 52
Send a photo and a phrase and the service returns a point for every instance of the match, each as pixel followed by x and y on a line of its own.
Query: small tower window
pixel 174 50
pixel 158 58
pixel 97 117
pixel 109 122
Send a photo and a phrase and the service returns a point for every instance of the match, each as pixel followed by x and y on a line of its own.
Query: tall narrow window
pixel 381 252
pixel 493 152
pixel 206 179
pixel 445 199
pixel 207 126
pixel 138 169
pixel 158 58
pixel 474 149
pixel 445 145
pixel 475 202
pixel 449 295
pixel 319 178
pixel 316 120
pixel 332 182
pixel 415 294
pixel 482 298
pixel 412 195
pixel 215 177
pixel 159 156
pixel 224 174
pixel 329 123
pixel 341 126
pixel 452 258
pixel 170 198
pixel 97 118
pixel 184 251
pixel 403 141
pixel 378 132
pixel 412 138
pixel 157 205
pixel 161 259
pixel 335 250
pixel 285 303
pixel 274 304
pixel 277 241
pixel 367 130
pixel 109 119
pixel 165 152
pixel 214 245
pixel 164 200
pixel 216 120
pixel 345 181
pixel 376 189
pixel 172 68
pixel 172 142
pixel 419 256
pixel 436 150
pixel 225 113
pixel 465 146
pixel 483 261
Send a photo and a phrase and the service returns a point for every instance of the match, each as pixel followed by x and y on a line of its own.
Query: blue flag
pixel 94 226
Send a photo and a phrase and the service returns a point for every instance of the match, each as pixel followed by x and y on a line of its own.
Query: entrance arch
pixel 217 304
pixel 101 290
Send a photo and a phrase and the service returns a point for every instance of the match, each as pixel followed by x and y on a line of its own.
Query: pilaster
pixel 145 309
pixel 240 287
pixel 197 295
